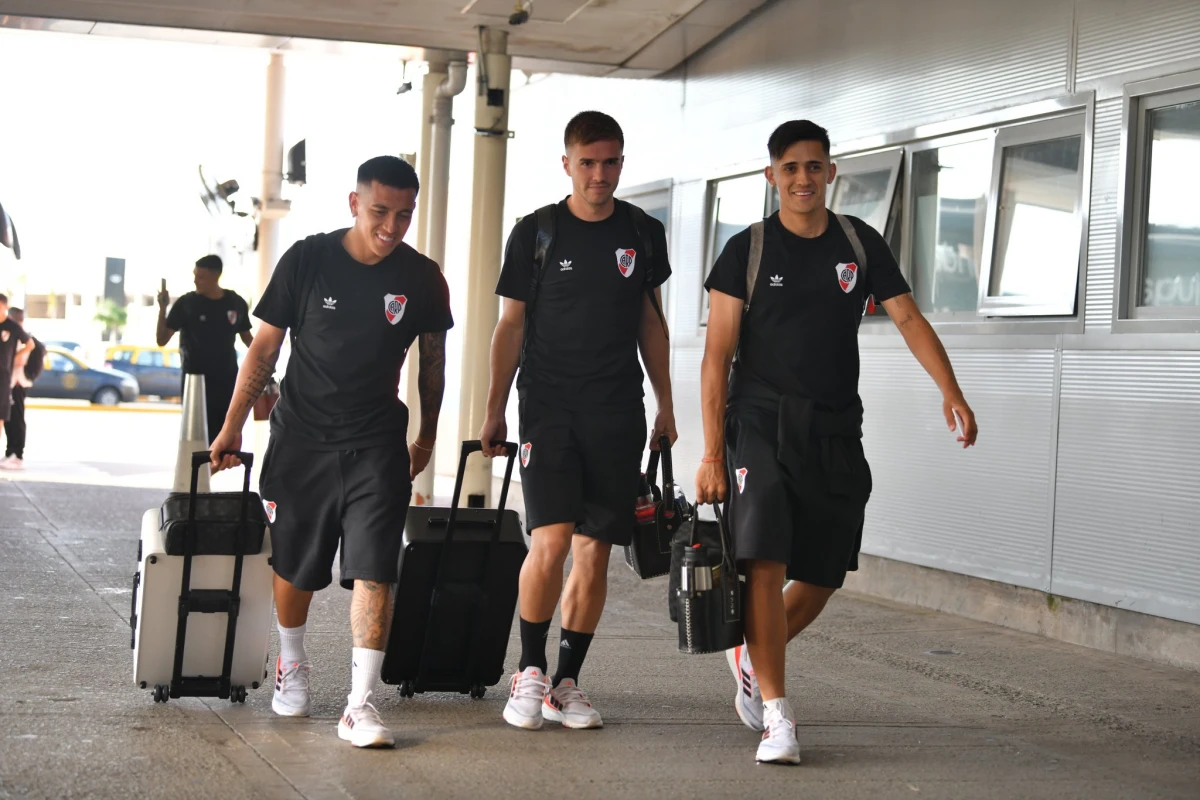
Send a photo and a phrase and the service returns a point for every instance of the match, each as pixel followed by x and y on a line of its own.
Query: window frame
pixel 710 229
pixel 1033 132
pixel 1139 99
pixel 893 159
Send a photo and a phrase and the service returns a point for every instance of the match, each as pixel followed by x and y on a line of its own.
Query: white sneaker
pixel 291 698
pixel 748 701
pixel 12 463
pixel 779 745
pixel 525 695
pixel 567 704
pixel 362 727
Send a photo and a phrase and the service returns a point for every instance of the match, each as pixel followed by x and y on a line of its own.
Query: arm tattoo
pixel 252 380
pixel 907 319
pixel 371 614
pixel 431 380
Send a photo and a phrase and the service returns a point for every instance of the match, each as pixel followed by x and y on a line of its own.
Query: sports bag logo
pixel 625 261
pixel 393 307
pixel 847 275
pixel 741 480
pixel 525 451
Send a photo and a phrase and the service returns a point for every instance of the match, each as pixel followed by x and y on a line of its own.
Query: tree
pixel 113 317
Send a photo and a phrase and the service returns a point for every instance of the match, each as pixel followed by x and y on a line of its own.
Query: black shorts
pixel 318 499
pixel 811 521
pixel 582 466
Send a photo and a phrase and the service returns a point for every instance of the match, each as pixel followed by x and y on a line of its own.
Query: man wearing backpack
pixel 26 369
pixel 581 293
pixel 786 298
pixel 338 471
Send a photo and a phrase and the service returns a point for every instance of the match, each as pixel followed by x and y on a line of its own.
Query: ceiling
pixel 621 38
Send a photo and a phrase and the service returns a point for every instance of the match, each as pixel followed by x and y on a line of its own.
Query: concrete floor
pixel 891 701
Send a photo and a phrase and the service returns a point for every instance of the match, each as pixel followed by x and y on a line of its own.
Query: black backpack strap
pixel 306 278
pixel 542 247
pixel 640 224
pixel 859 252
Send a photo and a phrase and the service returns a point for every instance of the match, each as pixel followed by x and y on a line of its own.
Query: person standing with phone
pixel 208 320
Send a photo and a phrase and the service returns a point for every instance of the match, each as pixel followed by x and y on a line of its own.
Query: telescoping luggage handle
pixel 210 600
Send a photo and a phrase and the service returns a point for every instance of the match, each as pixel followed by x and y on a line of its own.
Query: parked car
pixel 71 347
pixel 68 376
pixel 159 370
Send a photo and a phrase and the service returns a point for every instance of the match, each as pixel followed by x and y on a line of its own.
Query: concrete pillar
pixel 493 67
pixel 447 78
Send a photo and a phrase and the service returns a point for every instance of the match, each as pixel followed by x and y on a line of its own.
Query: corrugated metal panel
pixel 875 66
pixel 1116 36
pixel 984 511
pixel 1127 517
pixel 1102 220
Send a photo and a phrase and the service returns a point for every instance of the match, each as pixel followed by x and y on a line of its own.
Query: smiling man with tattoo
pixel 337 469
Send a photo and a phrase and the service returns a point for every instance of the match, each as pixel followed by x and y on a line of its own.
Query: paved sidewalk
pixel 892 702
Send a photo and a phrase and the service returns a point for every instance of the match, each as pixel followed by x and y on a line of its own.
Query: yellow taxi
pixel 159 370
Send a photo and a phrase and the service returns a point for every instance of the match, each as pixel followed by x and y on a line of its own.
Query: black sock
pixel 533 644
pixel 571 652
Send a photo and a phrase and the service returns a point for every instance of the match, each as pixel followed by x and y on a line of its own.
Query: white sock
pixel 291 644
pixel 365 667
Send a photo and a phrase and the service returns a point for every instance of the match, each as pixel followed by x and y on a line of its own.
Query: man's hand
pixel 419 453
pixel 710 483
pixel 664 425
pixel 957 407
pixel 226 440
pixel 164 298
pixel 495 429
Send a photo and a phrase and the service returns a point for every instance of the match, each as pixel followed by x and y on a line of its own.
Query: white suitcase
pixel 157 601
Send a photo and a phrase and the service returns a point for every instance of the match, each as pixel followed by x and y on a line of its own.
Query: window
pixel 150 358
pixel 1035 220
pixel 949 192
pixel 173 360
pixel 737 203
pixel 865 187
pixel 122 357
pixel 1162 254
pixel 57 362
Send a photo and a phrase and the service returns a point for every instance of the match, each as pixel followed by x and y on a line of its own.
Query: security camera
pixel 404 87
pixel 521 12
pixel 405 84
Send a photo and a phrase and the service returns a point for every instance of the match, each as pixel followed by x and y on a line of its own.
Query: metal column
pixel 448 80
pixel 493 68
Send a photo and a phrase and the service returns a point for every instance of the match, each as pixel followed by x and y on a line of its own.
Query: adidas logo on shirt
pixel 330 303
pixel 566 265
pixel 777 280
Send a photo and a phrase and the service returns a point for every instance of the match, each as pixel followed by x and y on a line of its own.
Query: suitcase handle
pixel 668 487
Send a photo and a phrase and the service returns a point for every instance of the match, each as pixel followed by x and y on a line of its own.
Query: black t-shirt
pixel 12 337
pixel 808 300
pixel 207 329
pixel 353 324
pixel 583 342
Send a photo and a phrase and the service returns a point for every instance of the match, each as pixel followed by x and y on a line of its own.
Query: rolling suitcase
pixel 456 594
pixel 202 595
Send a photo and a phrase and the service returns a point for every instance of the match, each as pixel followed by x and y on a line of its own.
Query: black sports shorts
pixel 812 520
pixel 318 499
pixel 582 466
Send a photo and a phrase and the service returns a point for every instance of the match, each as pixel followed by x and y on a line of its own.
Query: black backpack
pixel 544 245
pixel 37 360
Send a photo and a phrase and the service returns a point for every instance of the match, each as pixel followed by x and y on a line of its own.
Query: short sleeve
pixel 516 274
pixel 243 317
pixel 178 314
pixel 728 275
pixel 22 334
pixel 437 316
pixel 278 304
pixel 662 263
pixel 884 279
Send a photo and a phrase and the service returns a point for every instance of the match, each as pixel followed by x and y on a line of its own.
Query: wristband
pixel 426 449
pixel 707 460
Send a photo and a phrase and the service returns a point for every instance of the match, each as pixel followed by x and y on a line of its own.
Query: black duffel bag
pixel 659 515
pixel 706 594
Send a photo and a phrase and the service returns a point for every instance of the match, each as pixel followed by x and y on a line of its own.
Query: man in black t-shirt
pixel 788 424
pixel 208 319
pixel 338 468
pixel 575 328
pixel 15 347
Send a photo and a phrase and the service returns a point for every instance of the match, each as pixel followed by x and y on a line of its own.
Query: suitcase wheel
pixel 406 688
pixel 237 694
pixel 162 693
pixel 478 691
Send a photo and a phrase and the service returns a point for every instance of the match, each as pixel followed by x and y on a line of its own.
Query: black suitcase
pixel 456 593
pixel 658 515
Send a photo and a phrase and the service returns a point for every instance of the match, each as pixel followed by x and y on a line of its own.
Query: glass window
pixel 123 356
pixel 1170 236
pixel 949 211
pixel 737 204
pixel 59 363
pixel 865 187
pixel 1035 222
pixel 173 360
pixel 150 358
